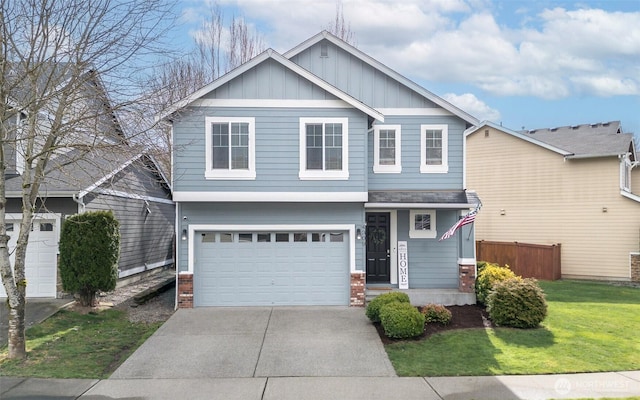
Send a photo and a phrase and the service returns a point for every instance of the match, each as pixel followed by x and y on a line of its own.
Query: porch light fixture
pixel 184 235
pixel 359 234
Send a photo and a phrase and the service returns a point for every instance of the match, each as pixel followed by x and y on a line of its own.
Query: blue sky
pixel 531 64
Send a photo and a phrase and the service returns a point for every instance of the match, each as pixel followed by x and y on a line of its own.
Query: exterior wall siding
pixel 277 151
pixel 269 214
pixel 533 195
pixel 432 264
pixel 59 205
pixel 358 79
pixel 411 178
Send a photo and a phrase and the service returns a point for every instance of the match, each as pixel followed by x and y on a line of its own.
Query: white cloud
pixel 474 106
pixel 553 54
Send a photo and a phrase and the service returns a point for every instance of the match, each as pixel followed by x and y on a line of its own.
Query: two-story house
pixel 302 178
pixel 93 168
pixel 573 185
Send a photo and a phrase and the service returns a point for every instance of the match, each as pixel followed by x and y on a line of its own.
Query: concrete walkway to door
pixel 261 342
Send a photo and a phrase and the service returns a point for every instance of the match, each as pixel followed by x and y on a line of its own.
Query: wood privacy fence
pixel 527 260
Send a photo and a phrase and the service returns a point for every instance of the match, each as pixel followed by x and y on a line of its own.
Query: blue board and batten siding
pixel 277 132
pixel 359 79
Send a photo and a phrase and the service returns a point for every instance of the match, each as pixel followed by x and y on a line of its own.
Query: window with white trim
pixel 625 173
pixel 386 149
pixel 422 224
pixel 230 148
pixel 434 148
pixel 324 148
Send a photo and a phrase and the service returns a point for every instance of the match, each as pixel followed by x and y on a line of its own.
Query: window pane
pixel 314 146
pixel 8 227
pixel 208 237
pixel 337 237
pixel 245 237
pixel 422 222
pixel 46 227
pixel 387 155
pixel 333 159
pixel 333 147
pixel 226 237
pixel 282 237
pixel 315 237
pixel 264 237
pixel 240 158
pixel 300 237
pixel 220 139
pixel 433 147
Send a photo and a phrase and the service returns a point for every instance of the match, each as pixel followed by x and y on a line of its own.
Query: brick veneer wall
pixel 357 289
pixel 185 291
pixel 635 267
pixel 467 279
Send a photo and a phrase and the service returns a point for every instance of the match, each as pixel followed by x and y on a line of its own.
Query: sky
pixel 522 64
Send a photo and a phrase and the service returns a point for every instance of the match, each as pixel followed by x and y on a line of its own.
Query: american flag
pixel 467 219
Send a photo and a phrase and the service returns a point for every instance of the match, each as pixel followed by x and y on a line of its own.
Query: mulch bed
pixel 462 317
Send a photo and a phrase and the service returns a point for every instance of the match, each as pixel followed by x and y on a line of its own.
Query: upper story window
pixel 386 149
pixel 625 174
pixel 324 150
pixel 230 148
pixel 434 148
pixel 422 224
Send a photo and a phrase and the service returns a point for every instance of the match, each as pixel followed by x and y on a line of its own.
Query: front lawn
pixel 590 327
pixel 74 345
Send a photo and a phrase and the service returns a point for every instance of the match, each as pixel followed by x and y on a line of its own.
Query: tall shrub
pixel 89 252
pixel 519 303
pixel 488 275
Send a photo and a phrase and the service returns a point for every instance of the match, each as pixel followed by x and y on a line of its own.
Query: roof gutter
pixel 582 156
pixel 450 206
pixel 78 199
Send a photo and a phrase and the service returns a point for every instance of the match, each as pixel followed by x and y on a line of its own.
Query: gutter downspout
pixel 78 199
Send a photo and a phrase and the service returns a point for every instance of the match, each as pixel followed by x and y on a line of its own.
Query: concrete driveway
pixel 261 342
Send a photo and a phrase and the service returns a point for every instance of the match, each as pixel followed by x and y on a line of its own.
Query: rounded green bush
pixel 488 276
pixel 401 320
pixel 373 308
pixel 436 313
pixel 518 303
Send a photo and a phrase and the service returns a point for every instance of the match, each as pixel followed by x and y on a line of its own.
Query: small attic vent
pixel 324 50
pixel 531 132
pixel 594 125
pixel 574 127
pixel 605 124
pixel 553 129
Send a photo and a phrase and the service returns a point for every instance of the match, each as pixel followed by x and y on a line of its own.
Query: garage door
pixel 41 257
pixel 271 268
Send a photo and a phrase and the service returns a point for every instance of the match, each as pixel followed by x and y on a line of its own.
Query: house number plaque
pixel 403 266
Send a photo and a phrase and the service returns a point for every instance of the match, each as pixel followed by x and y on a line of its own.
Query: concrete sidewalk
pixel 596 385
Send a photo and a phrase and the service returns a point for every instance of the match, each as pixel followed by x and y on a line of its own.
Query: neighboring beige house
pixel 574 185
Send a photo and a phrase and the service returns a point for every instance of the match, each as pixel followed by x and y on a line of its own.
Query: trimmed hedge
pixel 373 308
pixel 89 252
pixel 401 320
pixel 436 313
pixel 488 275
pixel 518 303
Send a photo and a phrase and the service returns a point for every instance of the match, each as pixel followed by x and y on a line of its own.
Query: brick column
pixel 185 291
pixel 467 278
pixel 357 289
pixel 634 260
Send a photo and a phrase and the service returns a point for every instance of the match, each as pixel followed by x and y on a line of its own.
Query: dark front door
pixel 378 249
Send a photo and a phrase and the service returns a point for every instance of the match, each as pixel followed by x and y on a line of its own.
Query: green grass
pixel 72 345
pixel 590 327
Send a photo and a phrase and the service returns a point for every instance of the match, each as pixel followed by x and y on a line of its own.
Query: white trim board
pixel 271 103
pixel 306 197
pixel 142 268
pixel 193 228
pixel 134 196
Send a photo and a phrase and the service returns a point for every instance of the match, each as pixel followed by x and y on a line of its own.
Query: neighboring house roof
pixel 453 199
pixel 388 71
pixel 79 173
pixel 578 141
pixel 273 55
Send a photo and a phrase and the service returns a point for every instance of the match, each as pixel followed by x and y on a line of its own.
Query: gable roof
pixel 518 135
pixel 577 141
pixel 588 140
pixel 324 35
pixel 270 54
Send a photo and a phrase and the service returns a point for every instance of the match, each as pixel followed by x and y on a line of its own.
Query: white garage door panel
pixel 271 273
pixel 41 258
